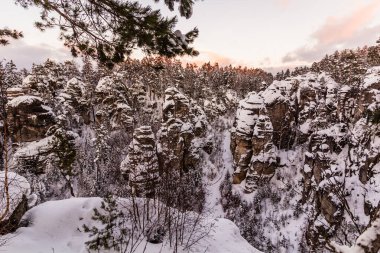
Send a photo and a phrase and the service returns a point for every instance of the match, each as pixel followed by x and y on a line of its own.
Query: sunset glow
pixel 271 34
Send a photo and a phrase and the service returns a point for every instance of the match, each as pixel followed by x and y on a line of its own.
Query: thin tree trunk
pixel 5 148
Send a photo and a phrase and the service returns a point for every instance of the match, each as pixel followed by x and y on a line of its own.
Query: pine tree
pixel 88 74
pixel 70 69
pixel 6 34
pixel 373 56
pixel 12 77
pixel 108 30
pixel 287 74
pixel 115 234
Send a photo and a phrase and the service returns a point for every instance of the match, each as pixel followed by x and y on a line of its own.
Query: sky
pixel 268 34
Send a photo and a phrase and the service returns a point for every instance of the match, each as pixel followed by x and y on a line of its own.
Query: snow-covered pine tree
pixel 373 56
pixel 12 77
pixel 114 234
pixel 88 74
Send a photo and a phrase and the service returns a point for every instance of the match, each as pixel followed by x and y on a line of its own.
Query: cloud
pixel 284 3
pixel 275 69
pixel 336 33
pixel 215 57
pixel 24 55
pixel 265 62
pixel 212 57
pixel 336 30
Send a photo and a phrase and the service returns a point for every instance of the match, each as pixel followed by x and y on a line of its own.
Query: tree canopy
pixel 6 34
pixel 108 30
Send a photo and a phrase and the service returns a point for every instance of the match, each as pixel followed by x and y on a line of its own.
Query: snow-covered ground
pixel 55 226
pixel 213 198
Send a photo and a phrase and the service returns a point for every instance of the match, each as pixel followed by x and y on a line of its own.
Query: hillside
pixel 293 162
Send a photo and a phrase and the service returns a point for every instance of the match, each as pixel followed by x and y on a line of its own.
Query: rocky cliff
pixel 333 129
pixel 141 164
pixel 294 164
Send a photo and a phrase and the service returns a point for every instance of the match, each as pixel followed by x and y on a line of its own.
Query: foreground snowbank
pixel 54 227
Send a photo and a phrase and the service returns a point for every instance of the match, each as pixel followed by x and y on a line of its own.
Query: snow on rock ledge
pixel 25 101
pixel 372 77
pixel 252 145
pixel 248 111
pixel 141 163
pixel 31 157
pixel 29 118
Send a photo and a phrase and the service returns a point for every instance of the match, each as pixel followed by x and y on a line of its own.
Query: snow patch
pixel 26 100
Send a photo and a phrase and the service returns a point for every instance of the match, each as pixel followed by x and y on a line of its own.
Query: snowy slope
pixel 54 227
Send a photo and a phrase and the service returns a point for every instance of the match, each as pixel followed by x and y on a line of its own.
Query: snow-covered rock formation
pixel 183 134
pixel 114 104
pixel 141 164
pixel 252 144
pixel 334 127
pixel 298 170
pixel 29 118
pixel 181 142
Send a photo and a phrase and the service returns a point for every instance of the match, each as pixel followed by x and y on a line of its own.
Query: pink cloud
pixel 284 3
pixel 209 56
pixel 215 57
pixel 347 32
pixel 336 29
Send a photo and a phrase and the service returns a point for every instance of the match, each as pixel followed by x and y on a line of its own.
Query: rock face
pixel 16 92
pixel 74 103
pixel 39 163
pixel 279 99
pixel 335 129
pixel 181 141
pixel 218 104
pixel 124 105
pixel 264 155
pixel 33 157
pixel 182 134
pixel 114 104
pixel 252 146
pixel 29 118
pixel 141 163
